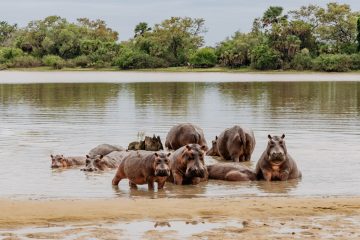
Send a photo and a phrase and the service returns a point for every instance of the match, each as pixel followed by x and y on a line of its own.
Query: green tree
pixel 6 31
pixel 203 58
pixel 141 29
pixel 263 58
pixel 358 34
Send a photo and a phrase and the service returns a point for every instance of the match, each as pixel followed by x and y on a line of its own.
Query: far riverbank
pixel 23 77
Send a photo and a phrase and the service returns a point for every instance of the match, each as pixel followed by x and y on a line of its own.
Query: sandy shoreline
pixel 16 213
pixel 22 77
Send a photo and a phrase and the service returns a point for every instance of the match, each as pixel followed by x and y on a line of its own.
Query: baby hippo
pixel 187 165
pixel 276 163
pixel 100 162
pixel 142 169
pixel 231 172
pixel 59 161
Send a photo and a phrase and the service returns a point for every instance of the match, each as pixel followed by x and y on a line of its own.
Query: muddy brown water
pixel 321 122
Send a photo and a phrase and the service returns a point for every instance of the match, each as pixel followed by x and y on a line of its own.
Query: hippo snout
pixel 196 172
pixel 162 173
pixel 55 166
pixel 89 169
pixel 277 156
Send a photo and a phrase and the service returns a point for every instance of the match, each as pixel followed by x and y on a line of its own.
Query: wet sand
pixel 12 77
pixel 256 218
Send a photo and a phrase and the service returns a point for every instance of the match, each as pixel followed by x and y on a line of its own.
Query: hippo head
pixel 276 149
pixel 153 143
pixel 194 158
pixel 94 163
pixel 58 161
pixel 161 164
pixel 214 149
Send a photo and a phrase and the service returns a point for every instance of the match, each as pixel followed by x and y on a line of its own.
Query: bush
pixel 53 61
pixel 7 54
pixel 26 61
pixel 263 58
pixel 203 58
pixel 81 61
pixel 332 63
pixel 3 67
pixel 355 61
pixel 302 60
pixel 135 59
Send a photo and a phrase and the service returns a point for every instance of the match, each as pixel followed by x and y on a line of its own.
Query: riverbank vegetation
pixel 309 38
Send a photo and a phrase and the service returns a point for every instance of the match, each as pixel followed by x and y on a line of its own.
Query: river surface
pixel 321 122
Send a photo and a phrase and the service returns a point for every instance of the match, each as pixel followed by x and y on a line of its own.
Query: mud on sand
pixel 256 218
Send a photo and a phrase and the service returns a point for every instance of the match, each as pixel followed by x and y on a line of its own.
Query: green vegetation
pixel 308 38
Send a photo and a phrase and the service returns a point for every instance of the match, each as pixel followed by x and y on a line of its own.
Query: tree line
pixel 308 38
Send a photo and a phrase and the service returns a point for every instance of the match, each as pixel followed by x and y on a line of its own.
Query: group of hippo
pixel 144 163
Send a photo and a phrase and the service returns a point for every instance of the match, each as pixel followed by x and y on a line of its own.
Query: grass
pixel 168 70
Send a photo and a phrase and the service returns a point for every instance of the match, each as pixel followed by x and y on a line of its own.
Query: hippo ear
pixel 158 138
pixel 87 156
pixel 216 137
pixel 156 154
pixel 51 156
pixel 283 136
pixel 269 136
pixel 101 156
pixel 168 155
pixel 188 147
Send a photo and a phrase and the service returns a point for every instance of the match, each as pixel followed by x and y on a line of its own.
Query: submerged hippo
pixel 144 168
pixel 187 165
pixel 236 144
pixel 59 161
pixel 149 144
pixel 276 163
pixel 230 172
pixel 182 134
pixel 104 149
pixel 101 162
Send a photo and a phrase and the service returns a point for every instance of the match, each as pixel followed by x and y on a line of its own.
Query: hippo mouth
pixel 89 169
pixel 162 173
pixel 277 161
pixel 195 173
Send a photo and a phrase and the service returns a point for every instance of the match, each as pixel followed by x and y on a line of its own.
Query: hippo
pixel 144 168
pixel 230 172
pixel 101 162
pixel 276 163
pixel 104 149
pixel 187 165
pixel 185 133
pixel 236 144
pixel 59 161
pixel 149 144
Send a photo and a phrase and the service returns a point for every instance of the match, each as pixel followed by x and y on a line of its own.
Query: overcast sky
pixel 222 17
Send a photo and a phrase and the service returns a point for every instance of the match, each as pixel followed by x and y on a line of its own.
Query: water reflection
pixel 277 187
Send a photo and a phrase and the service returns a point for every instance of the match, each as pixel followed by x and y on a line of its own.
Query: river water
pixel 321 122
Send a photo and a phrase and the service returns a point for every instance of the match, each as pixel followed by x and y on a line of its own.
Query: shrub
pixel 302 60
pixel 53 61
pixel 7 54
pixel 355 61
pixel 26 61
pixel 203 58
pixel 332 63
pixel 81 61
pixel 3 67
pixel 135 59
pixel 263 57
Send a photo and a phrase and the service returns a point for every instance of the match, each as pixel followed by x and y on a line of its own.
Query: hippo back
pixel 104 149
pixel 182 134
